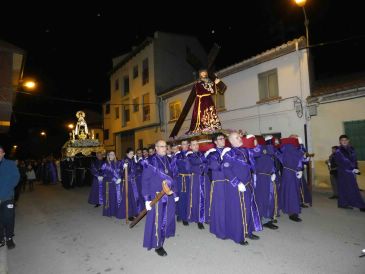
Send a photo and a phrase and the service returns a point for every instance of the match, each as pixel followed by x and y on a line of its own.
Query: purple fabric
pixel 291 159
pixel 160 221
pixel 348 189
pixel 242 213
pixel 266 196
pixel 183 184
pixel 52 172
pixel 197 188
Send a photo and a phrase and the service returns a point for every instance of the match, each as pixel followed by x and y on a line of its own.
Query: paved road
pixel 58 232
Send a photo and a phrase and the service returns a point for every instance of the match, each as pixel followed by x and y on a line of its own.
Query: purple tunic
pixel 216 197
pixel 306 195
pixel 242 215
pixel 139 169
pixel 160 220
pixel 198 184
pixel 183 184
pixel 348 189
pixel 112 194
pixel 52 172
pixel 132 194
pixel 265 190
pixel 96 191
pixel 290 197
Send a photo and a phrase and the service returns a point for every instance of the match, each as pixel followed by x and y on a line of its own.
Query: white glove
pixel 254 177
pixel 356 171
pixel 176 199
pixel 125 165
pixel 299 174
pixel 241 187
pixel 118 181
pixel 100 178
pixel 273 177
pixel 148 205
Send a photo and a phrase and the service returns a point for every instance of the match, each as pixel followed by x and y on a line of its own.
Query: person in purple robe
pixel 347 169
pixel 198 185
pixel 52 171
pixel 132 197
pixel 242 215
pixel 183 182
pixel 160 221
pixel 265 190
pixel 96 191
pixel 111 173
pixel 291 157
pixel 138 158
pixel 216 195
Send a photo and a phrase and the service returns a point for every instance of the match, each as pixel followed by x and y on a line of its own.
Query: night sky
pixel 69 49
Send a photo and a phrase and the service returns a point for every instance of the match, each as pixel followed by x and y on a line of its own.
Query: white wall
pixel 242 112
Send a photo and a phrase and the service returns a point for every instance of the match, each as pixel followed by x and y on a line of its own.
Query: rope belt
pixel 288 168
pixel 183 175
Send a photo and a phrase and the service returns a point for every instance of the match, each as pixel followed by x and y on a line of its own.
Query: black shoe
pixel 178 219
pixel 200 226
pixel 185 223
pixel 131 219
pixel 2 243
pixel 275 221
pixel 161 252
pixel 333 197
pixel 253 237
pixel 345 207
pixel 270 225
pixel 303 205
pixel 97 205
pixel 243 242
pixel 295 218
pixel 10 243
pixel 362 209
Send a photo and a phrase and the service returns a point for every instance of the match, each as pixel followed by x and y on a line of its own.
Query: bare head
pixel 235 139
pixel 185 145
pixel 344 140
pixel 99 156
pixel 111 156
pixel 2 153
pixel 203 74
pixel 129 153
pixel 219 140
pixel 194 145
pixel 161 147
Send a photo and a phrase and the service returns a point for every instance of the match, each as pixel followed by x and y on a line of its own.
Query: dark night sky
pixel 70 49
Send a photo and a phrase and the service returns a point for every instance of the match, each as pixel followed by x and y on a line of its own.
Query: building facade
pixel 132 117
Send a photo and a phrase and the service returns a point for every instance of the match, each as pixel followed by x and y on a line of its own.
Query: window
pixel 107 108
pixel 116 84
pixel 355 131
pixel 106 134
pixel 135 72
pixel 175 110
pixel 126 115
pixel 117 113
pixel 145 72
pixel 268 85
pixel 146 107
pixel 219 101
pixel 135 105
pixel 125 85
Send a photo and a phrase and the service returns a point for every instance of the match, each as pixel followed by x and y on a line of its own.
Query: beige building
pixel 338 107
pixel 132 116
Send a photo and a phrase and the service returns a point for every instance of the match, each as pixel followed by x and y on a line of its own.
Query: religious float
pixel 77 154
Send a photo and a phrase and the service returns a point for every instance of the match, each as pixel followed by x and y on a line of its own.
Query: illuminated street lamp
pixel 29 85
pixel 43 133
pixel 301 3
pixel 15 146
pixel 70 126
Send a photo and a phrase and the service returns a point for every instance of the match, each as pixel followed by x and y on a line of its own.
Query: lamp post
pixel 301 3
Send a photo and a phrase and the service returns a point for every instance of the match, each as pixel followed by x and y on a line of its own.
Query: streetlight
pixel 43 133
pixel 30 85
pixel 70 126
pixel 301 3
pixel 15 146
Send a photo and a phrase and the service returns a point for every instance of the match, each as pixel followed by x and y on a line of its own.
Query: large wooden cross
pixel 189 102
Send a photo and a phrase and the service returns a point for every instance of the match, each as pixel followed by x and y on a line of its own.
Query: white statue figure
pixel 81 129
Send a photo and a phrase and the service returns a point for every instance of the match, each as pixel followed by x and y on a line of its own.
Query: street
pixel 57 231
